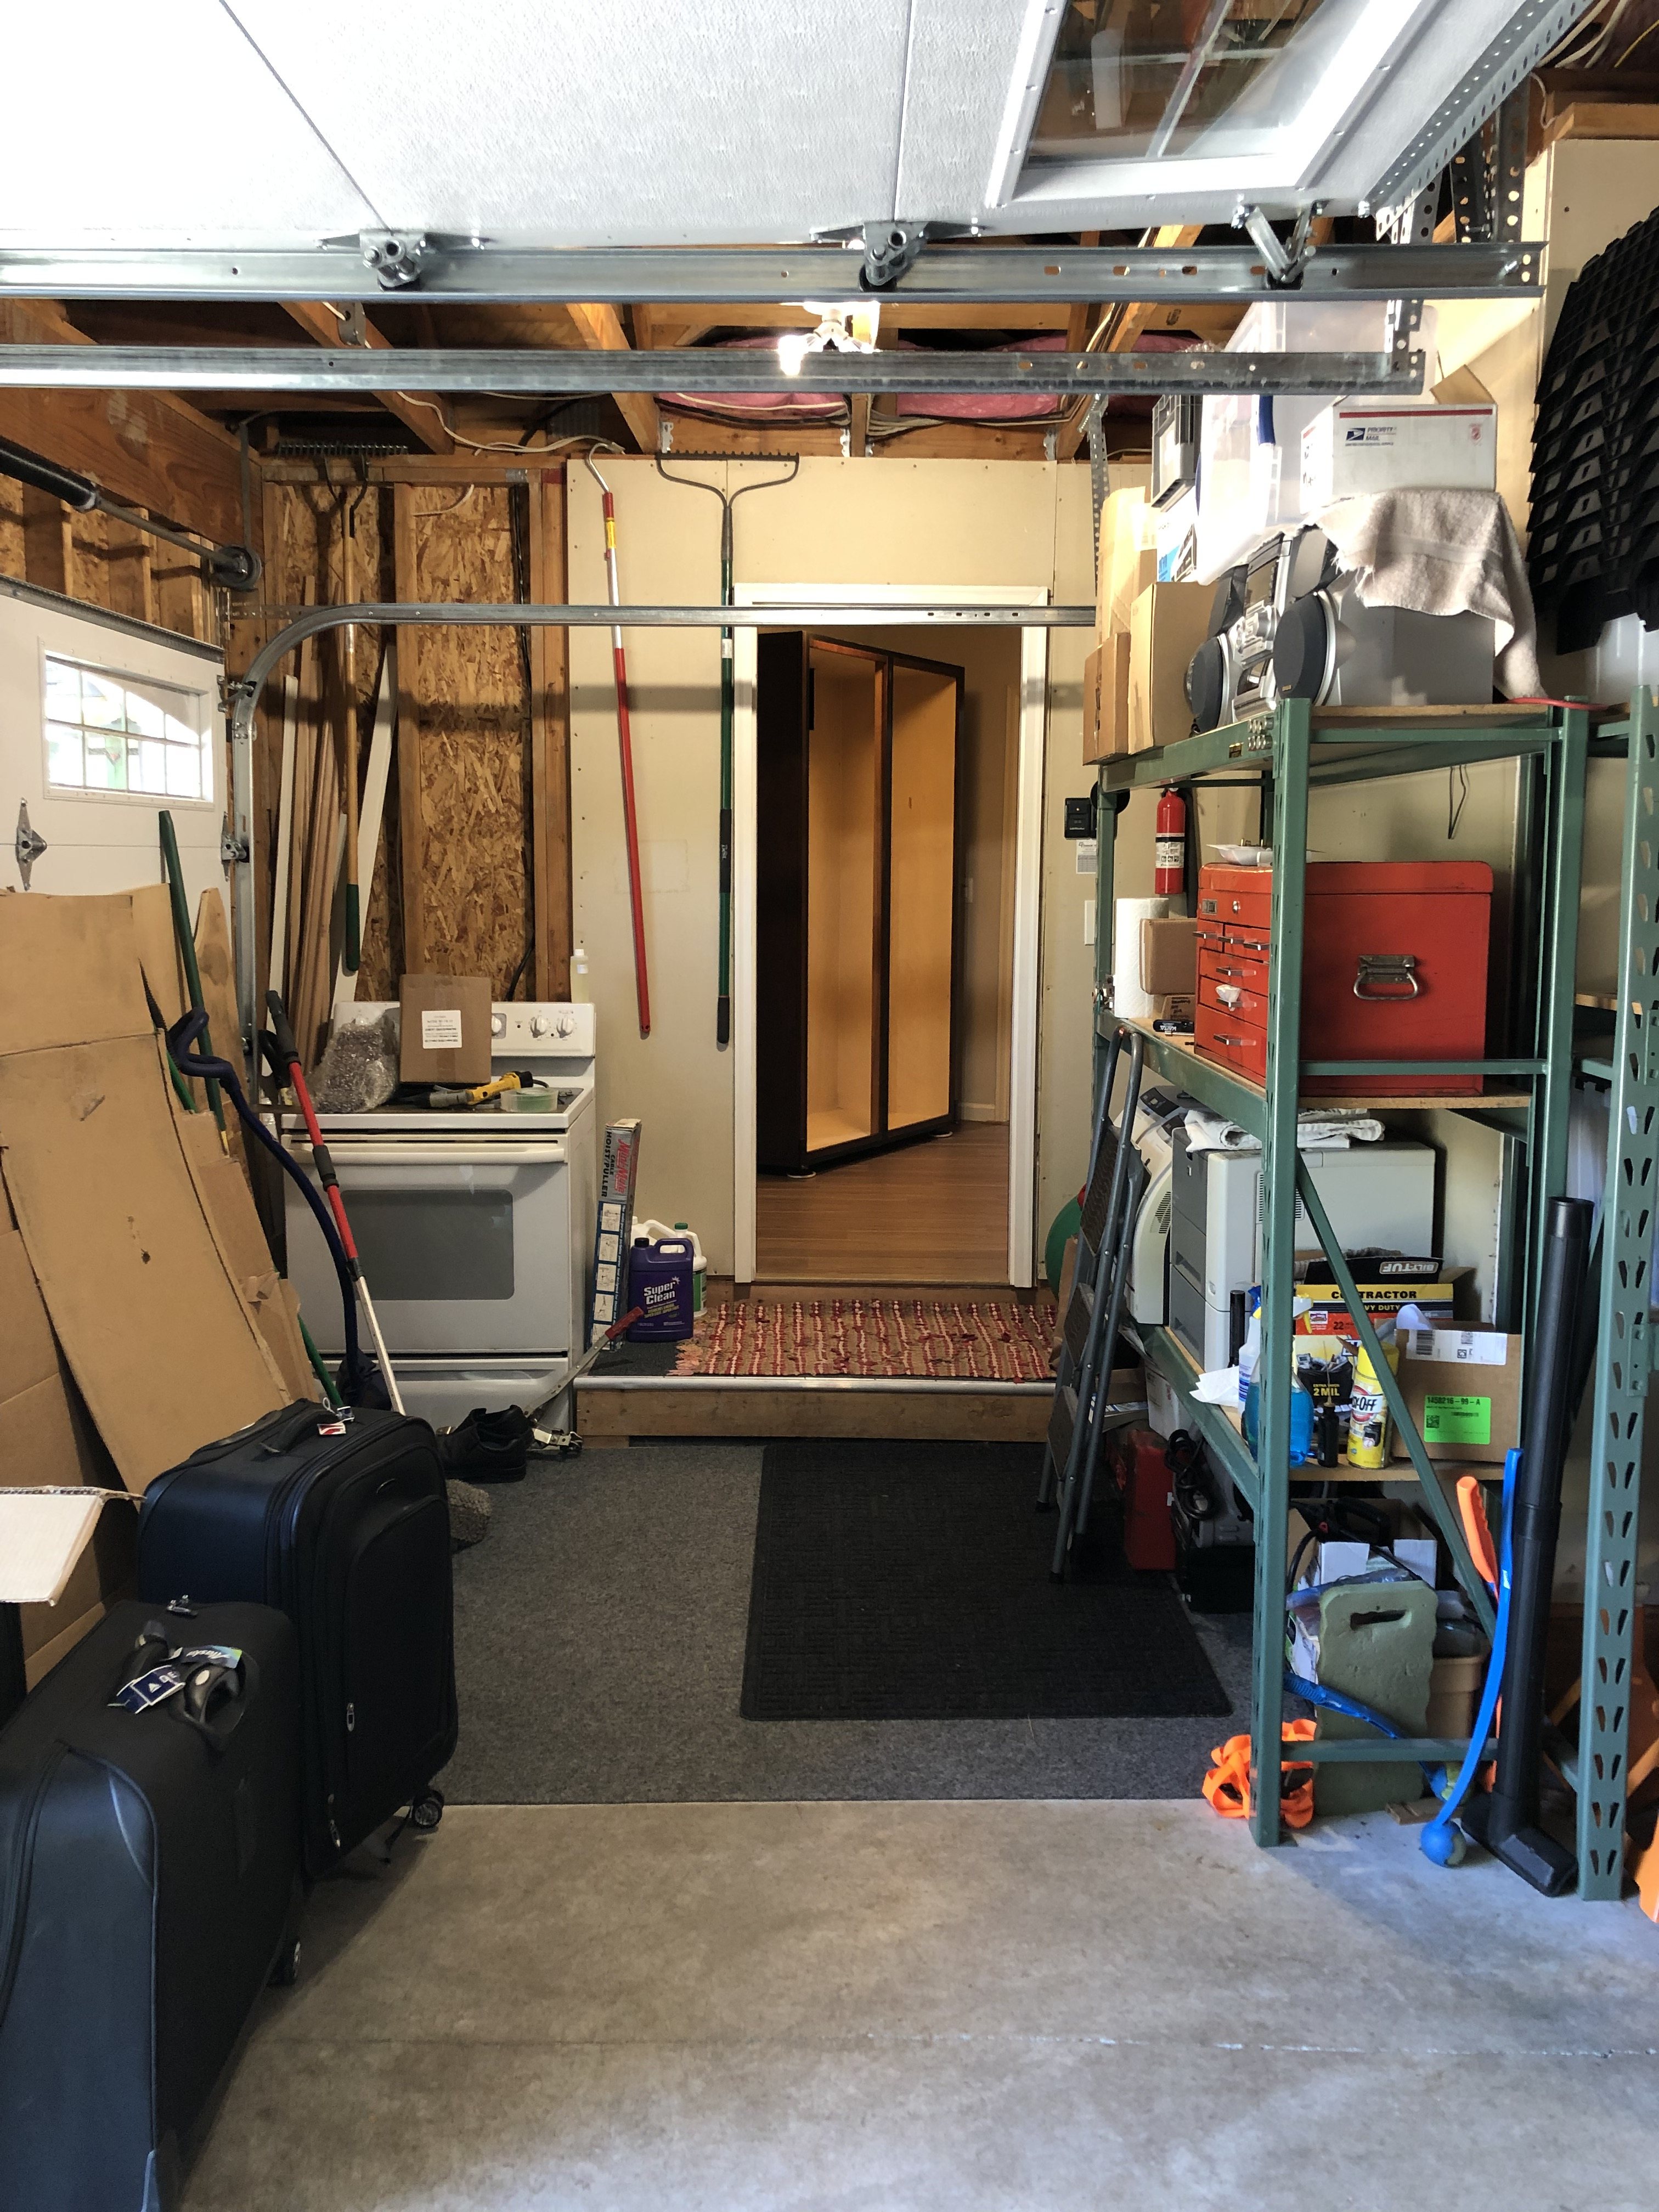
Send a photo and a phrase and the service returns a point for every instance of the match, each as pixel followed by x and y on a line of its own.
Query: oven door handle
pixel 348 1154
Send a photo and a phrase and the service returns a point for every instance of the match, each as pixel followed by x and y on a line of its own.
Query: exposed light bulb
pixel 792 349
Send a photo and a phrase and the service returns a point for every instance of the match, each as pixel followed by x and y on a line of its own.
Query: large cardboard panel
pixel 143 1304
pixel 216 967
pixel 72 971
pixel 228 1205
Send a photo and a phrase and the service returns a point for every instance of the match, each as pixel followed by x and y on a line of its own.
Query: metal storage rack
pixel 1289 752
pixel 1625 1340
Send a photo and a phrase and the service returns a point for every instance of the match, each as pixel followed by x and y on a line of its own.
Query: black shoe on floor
pixel 487 1447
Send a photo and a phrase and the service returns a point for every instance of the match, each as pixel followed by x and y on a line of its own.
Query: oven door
pixel 464 1249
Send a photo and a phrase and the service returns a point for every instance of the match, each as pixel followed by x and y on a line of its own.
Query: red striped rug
pixel 935 1339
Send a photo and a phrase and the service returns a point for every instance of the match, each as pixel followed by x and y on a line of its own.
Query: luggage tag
pixel 153 1687
pixel 208 1654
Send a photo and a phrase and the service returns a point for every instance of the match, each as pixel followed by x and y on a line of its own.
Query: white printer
pixel 1197 1244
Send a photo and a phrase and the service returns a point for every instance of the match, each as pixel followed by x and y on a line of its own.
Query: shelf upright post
pixel 1291 727
pixel 1624 1359
pixel 1105 914
pixel 1558 968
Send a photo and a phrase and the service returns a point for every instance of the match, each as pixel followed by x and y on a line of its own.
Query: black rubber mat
pixel 910 1582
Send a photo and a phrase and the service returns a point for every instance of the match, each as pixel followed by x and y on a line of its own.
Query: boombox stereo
pixel 1289 623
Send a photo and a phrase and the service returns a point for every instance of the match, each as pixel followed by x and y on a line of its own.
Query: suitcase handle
pixel 1387 969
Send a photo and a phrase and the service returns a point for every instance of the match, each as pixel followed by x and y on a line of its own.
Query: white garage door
pixel 104 723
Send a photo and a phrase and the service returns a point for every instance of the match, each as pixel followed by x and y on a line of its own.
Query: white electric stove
pixel 475 1225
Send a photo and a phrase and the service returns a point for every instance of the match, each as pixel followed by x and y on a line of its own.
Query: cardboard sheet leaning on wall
pixel 158 1328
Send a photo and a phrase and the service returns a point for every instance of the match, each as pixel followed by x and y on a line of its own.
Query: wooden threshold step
pixel 762 1406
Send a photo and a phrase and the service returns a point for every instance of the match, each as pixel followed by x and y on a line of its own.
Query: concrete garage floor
pixel 985 2007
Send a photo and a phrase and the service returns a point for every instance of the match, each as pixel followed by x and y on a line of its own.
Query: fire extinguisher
pixel 1170 871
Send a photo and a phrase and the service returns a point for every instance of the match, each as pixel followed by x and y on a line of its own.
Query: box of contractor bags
pixel 618 1180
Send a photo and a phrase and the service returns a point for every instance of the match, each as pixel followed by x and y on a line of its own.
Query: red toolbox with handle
pixel 1393 967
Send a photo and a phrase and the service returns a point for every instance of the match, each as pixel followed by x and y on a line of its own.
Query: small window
pixel 108 732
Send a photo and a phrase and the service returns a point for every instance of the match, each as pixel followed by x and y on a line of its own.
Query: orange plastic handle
pixel 1472 1508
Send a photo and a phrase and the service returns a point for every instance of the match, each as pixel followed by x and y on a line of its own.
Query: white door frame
pixel 1028 890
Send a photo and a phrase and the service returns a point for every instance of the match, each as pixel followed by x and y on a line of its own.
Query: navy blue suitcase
pixel 342 1521
pixel 150 1866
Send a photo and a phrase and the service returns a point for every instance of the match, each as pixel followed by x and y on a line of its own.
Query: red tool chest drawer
pixel 1224 1037
pixel 1394 965
pixel 1244 1005
pixel 1228 964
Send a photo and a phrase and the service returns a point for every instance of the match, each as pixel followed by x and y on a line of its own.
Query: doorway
pixel 952 1202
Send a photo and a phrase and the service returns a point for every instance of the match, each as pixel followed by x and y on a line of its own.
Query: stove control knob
pixel 565 1024
pixel 498 1025
pixel 538 1025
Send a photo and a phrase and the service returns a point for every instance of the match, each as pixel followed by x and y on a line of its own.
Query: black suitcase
pixel 151 1873
pixel 341 1520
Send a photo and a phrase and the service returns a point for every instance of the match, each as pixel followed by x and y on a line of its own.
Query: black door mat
pixel 910 1582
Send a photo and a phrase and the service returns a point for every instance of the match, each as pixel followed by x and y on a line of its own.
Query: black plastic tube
pixel 1506 1822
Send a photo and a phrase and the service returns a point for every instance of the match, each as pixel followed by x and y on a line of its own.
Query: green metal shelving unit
pixel 1625 1339
pixel 1298 752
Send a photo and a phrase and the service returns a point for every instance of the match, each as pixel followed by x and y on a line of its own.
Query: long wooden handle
pixel 353 950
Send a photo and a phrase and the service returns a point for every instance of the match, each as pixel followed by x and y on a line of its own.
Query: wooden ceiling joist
pixel 418 411
pixel 600 325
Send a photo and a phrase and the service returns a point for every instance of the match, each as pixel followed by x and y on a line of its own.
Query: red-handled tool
pixel 289 1053
pixel 625 745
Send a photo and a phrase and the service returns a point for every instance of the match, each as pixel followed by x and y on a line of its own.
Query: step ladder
pixel 1081 1414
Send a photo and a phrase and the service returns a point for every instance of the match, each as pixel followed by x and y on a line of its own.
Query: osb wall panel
pixel 470 689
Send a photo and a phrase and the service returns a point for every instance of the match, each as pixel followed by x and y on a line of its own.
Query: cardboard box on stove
pixel 444 1029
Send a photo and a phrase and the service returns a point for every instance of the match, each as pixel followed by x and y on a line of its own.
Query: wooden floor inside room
pixel 931 1212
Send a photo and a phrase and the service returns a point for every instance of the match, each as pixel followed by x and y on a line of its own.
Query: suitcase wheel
pixel 286 1971
pixel 427 1811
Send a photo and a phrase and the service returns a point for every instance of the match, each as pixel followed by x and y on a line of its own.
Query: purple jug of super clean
pixel 660 1281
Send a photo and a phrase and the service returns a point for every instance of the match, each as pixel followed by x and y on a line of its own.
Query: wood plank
pixel 600 325
pixel 146 449
pixel 857 430
pixel 1602 119
pixel 549 740
pixel 606 1413
pixel 1080 317
pixel 48 545
pixel 1127 324
pixel 411 841
pixel 420 412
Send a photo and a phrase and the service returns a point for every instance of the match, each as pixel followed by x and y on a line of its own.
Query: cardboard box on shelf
pixel 1169 956
pixel 1167 624
pixel 1463 1388
pixel 1106 700
pixel 1129 560
pixel 1440 1301
pixel 444 1027
pixel 1355 447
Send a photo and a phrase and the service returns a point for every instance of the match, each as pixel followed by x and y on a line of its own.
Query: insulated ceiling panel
pixel 588 120
pixel 961 67
pixel 128 123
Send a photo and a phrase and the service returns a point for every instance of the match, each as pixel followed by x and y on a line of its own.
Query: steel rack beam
pixel 1206 1080
pixel 1624 1359
pixel 433 267
pixel 1289 740
pixel 538 372
pixel 1221 1439
pixel 1350 753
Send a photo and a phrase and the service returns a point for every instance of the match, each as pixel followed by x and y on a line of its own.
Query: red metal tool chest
pixel 1393 967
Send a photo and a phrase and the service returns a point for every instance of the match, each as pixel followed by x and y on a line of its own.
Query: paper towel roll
pixel 1128 999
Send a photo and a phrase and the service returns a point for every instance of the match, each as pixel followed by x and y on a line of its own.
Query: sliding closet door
pixel 921 904
pixel 846 709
